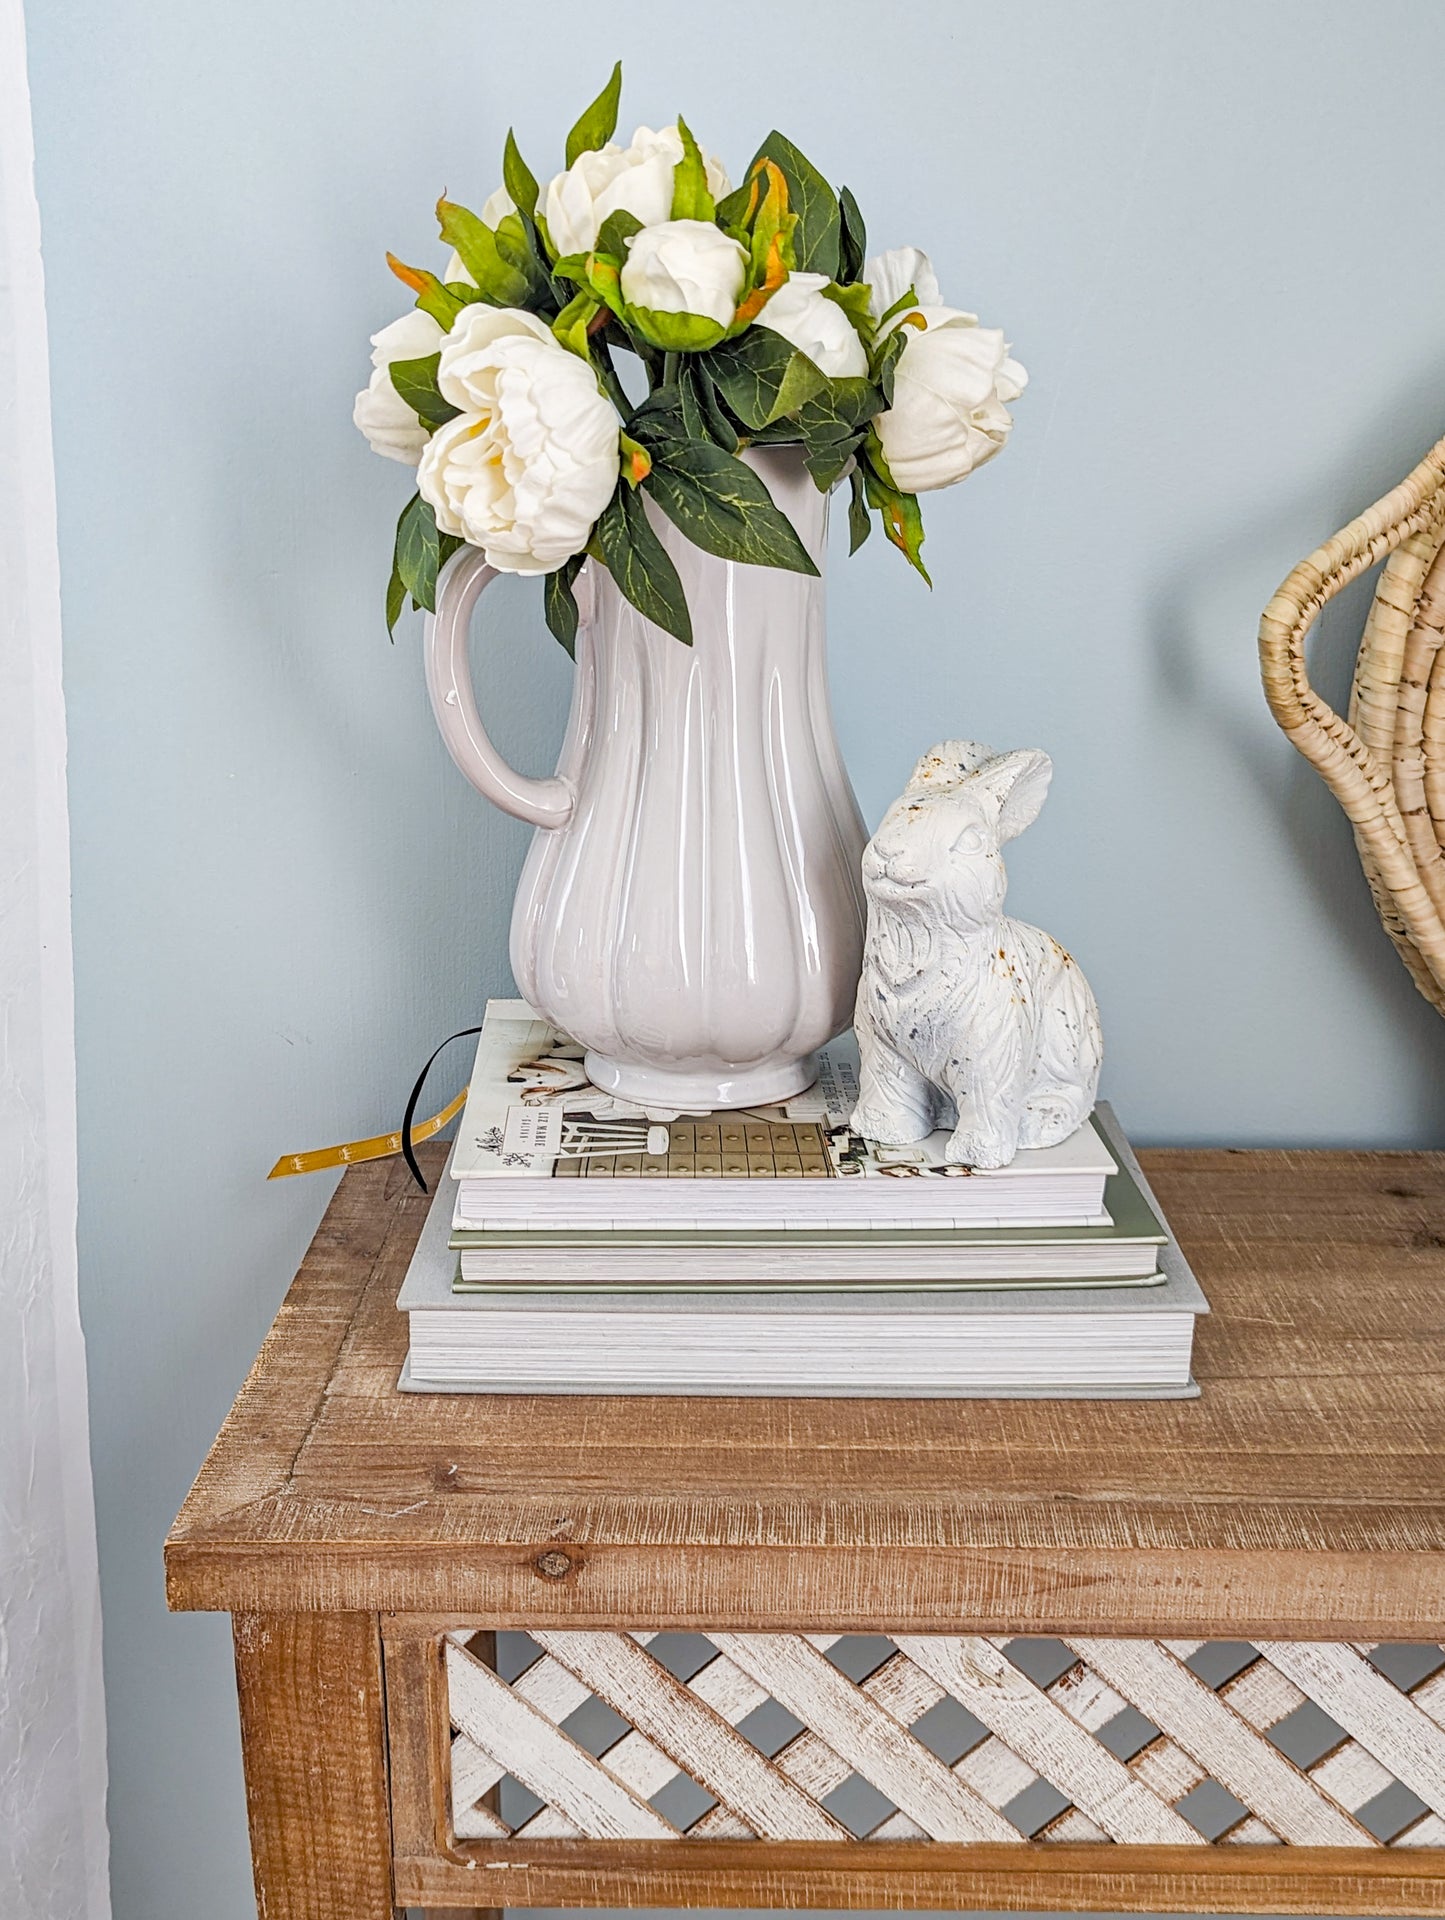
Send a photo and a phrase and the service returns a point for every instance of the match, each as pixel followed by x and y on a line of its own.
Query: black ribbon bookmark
pixel 407 1151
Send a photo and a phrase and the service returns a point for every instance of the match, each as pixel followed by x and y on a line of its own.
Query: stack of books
pixel 583 1245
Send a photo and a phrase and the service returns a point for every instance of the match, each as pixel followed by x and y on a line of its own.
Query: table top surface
pixel 1303 1495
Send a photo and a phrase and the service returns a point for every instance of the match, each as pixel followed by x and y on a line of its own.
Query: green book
pixel 1120 1252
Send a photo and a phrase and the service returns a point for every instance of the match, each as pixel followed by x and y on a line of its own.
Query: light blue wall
pixel 1211 229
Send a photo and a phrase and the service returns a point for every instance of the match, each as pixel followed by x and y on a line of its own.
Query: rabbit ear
pixel 1019 782
pixel 947 764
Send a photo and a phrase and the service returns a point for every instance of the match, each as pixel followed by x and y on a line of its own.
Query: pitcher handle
pixel 541 803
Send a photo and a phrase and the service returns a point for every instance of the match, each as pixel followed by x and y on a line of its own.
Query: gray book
pixel 1096 1342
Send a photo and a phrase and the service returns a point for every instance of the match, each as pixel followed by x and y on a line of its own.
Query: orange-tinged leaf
pixel 777 184
pixel 604 277
pixel 432 296
pixel 903 524
pixel 412 277
pixel 775 272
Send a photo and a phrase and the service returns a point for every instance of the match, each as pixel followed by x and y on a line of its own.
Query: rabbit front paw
pixel 973 1146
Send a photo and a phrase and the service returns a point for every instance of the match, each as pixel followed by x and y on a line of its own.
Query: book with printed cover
pixel 1093 1341
pixel 532 1116
pixel 759 1259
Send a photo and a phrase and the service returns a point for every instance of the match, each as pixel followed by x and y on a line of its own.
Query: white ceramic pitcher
pixel 691 909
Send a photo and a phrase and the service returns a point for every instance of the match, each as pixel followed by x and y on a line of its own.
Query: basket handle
pixel 1366 791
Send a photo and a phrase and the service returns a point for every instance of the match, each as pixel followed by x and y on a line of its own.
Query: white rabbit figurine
pixel 966 1019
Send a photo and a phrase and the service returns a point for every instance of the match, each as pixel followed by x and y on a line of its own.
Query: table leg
pixel 313 1742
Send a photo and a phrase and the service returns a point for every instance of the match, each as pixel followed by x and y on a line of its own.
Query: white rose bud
pixel 681 282
pixel 890 275
pixel 636 179
pixel 949 411
pixel 380 412
pixel 532 459
pixel 816 326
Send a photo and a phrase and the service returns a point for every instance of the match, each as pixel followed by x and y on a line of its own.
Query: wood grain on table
pixel 1302 1496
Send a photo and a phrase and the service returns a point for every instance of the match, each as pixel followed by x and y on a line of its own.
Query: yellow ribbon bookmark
pixel 380 1147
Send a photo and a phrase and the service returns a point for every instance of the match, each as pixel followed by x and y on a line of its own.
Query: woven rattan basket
pixel 1386 763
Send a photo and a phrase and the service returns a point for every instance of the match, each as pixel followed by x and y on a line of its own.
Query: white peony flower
pixel 815 325
pixel 636 179
pixel 495 209
pixel 890 275
pixel 532 459
pixel 682 281
pixel 380 412
pixel 949 411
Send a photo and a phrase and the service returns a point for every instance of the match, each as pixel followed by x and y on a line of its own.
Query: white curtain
pixel 53 1845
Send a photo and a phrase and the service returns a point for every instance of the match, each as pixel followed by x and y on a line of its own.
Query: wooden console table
pixel 1099 1635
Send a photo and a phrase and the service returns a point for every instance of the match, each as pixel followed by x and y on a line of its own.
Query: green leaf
pixel 899 512
pixel 640 564
pixel 571 324
pixel 596 126
pixel 433 296
pixel 723 506
pixel 514 243
pixel 907 299
pixel 694 421
pixel 661 410
pixel 519 180
pixel 395 599
pixel 615 232
pixel 733 210
pixel 418 552
pixel 853 237
pixel 559 605
pixel 886 363
pixel 860 521
pixel 685 409
pixel 844 404
pixel 674 332
pixel 719 427
pixel 421 553
pixel 605 281
pixel 854 302
pixel 827 461
pixel 498 280
pixel 520 235
pixel 416 382
pixel 571 266
pixel 816 241
pixel 690 197
pixel 762 376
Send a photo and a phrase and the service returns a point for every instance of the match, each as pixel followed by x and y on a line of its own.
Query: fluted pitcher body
pixel 691 907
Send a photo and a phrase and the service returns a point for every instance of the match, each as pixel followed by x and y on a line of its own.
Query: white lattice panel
pixel 947 1737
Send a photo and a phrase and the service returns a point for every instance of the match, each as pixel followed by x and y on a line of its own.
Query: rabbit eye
pixel 969 841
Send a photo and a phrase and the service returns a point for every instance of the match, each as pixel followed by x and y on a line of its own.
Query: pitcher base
pixel 683 1091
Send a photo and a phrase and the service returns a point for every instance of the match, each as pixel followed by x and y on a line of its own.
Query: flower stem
pixel 671 369
pixel 607 374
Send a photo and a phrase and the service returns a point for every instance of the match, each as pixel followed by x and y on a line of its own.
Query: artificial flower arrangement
pixel 757 320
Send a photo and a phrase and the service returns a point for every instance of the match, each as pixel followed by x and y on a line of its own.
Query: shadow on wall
pixel 1280 789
